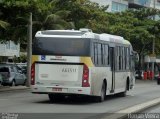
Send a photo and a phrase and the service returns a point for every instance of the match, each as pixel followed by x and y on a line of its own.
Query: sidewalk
pixel 8 88
pixel 141 81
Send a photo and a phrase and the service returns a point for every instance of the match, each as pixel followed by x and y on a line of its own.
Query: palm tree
pixel 53 21
pixel 3 24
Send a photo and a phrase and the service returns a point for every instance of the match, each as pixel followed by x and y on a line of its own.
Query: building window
pixel 118 7
pixel 122 7
pixel 114 6
pixel 143 2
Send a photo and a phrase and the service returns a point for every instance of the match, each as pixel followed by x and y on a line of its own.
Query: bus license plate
pixel 57 89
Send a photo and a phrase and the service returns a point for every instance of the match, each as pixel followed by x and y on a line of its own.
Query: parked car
pixel 139 74
pixel 1 79
pixel 22 67
pixel 12 76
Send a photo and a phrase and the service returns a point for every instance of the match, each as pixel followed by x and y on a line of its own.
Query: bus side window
pixel 127 59
pixel 118 58
pixel 99 54
pixel 123 58
pixel 106 55
pixel 103 54
pixel 120 62
pixel 95 54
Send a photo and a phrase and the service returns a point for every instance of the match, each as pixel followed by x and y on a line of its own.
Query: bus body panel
pixel 59 74
pixel 120 81
pixel 98 75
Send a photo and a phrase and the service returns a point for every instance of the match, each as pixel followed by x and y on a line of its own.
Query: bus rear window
pixel 61 46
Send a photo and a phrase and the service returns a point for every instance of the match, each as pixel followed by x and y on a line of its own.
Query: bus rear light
pixel 85 79
pixel 33 74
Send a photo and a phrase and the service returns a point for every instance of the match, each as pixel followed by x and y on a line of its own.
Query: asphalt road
pixel 28 105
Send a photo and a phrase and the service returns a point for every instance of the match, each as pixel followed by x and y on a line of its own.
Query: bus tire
pixel 101 98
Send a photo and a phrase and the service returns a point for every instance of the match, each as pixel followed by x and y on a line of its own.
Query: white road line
pixel 133 109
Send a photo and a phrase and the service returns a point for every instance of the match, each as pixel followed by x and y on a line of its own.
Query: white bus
pixel 71 62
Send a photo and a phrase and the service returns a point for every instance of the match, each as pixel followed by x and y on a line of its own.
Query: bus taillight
pixel 85 80
pixel 33 74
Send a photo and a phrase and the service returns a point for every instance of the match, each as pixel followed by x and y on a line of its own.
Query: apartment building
pixel 144 3
pixel 114 5
pixel 8 50
pixel 121 5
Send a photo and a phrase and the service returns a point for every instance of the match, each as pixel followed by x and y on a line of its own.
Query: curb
pixel 122 114
pixel 7 88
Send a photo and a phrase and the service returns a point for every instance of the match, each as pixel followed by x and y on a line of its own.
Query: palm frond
pixel 53 18
pixel 4 24
pixel 57 27
pixel 37 23
pixel 63 13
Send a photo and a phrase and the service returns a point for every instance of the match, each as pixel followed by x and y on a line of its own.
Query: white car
pixel 12 76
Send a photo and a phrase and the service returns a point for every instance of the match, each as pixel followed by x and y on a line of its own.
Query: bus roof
pixel 82 33
pixel 113 38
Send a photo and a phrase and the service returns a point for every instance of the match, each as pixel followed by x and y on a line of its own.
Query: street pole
pixel 29 51
pixel 153 44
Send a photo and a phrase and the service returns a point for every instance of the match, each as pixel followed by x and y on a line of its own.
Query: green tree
pixel 3 24
pixel 43 14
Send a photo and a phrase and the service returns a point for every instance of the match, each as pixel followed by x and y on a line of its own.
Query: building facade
pixel 144 3
pixel 122 5
pixel 113 5
pixel 9 50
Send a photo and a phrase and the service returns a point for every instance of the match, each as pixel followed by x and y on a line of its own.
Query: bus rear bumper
pixel 61 90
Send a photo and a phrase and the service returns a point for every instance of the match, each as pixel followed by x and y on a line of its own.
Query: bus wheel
pixel 101 98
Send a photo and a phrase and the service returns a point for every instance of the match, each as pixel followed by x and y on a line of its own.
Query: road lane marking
pixel 137 108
